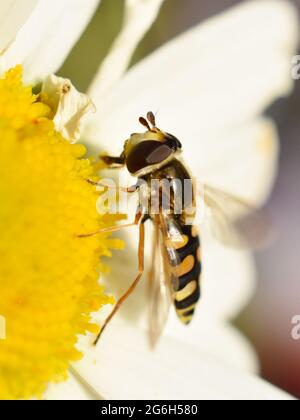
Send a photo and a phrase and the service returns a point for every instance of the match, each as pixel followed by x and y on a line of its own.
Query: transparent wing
pixel 233 221
pixel 163 278
pixel 160 298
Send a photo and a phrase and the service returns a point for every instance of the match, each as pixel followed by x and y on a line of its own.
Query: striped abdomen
pixel 188 273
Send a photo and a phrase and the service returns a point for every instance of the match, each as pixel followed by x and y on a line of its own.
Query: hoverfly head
pixel 145 152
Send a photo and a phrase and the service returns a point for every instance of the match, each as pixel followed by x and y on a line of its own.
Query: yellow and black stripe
pixel 188 273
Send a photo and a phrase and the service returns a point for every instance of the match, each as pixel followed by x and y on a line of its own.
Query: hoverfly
pixel 176 263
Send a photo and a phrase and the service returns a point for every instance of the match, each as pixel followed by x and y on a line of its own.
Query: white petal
pixel 70 106
pixel 217 339
pixel 228 281
pixel 242 161
pixel 71 390
pixel 47 37
pixel 215 76
pixel 138 18
pixel 122 367
pixel 13 14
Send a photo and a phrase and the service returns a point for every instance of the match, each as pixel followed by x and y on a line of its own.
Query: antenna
pixel 145 123
pixel 151 118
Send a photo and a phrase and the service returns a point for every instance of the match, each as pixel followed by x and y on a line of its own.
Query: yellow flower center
pixel 48 276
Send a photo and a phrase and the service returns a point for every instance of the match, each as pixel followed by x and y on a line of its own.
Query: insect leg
pixel 113 162
pixel 129 190
pixel 133 285
pixel 114 228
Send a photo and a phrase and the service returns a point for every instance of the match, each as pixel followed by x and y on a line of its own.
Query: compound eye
pixel 147 153
pixel 173 142
pixel 159 154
